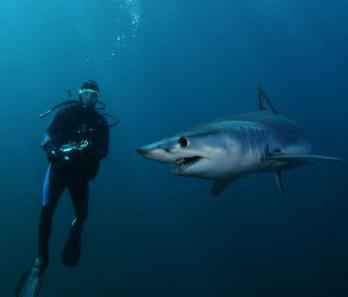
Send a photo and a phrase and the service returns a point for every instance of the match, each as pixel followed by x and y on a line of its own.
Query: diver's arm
pixel 50 143
pixel 57 126
pixel 102 145
pixel 51 149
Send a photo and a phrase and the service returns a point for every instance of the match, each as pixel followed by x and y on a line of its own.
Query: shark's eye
pixel 183 142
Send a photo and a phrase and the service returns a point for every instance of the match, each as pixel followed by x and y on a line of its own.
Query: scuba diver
pixel 75 142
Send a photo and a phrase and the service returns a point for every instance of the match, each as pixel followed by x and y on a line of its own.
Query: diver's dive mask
pixel 88 97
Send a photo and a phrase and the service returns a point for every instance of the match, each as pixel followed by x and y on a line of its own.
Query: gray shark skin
pixel 233 147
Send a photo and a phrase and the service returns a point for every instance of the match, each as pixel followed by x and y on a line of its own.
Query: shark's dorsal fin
pixel 220 185
pixel 264 102
pixel 280 182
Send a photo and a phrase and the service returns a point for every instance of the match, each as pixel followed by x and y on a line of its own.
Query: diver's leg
pixel 79 192
pixel 52 190
pixel 79 195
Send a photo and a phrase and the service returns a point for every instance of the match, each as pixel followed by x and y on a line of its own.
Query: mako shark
pixel 233 147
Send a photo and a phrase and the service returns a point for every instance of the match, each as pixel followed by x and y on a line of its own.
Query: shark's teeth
pixel 182 164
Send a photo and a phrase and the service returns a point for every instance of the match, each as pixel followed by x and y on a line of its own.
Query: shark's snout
pixel 148 151
pixel 176 151
pixel 142 151
pixel 155 152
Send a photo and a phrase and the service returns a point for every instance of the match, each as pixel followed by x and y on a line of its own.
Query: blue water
pixel 164 66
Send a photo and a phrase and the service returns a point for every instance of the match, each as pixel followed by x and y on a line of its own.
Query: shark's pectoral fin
pixel 280 180
pixel 220 185
pixel 305 157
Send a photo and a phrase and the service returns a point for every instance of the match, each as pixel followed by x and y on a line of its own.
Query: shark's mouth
pixel 184 163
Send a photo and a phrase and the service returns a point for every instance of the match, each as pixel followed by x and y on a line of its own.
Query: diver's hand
pixel 51 151
pixel 52 155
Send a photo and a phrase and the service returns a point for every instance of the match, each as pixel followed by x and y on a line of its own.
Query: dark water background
pixel 163 66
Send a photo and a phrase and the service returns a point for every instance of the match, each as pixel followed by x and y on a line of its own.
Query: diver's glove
pixel 52 151
pixel 52 156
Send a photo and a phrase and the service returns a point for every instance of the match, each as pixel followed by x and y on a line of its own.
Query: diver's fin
pixel 219 186
pixel 72 248
pixel 304 157
pixel 264 102
pixel 279 179
pixel 30 283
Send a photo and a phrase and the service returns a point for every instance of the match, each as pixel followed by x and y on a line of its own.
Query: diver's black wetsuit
pixel 72 124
